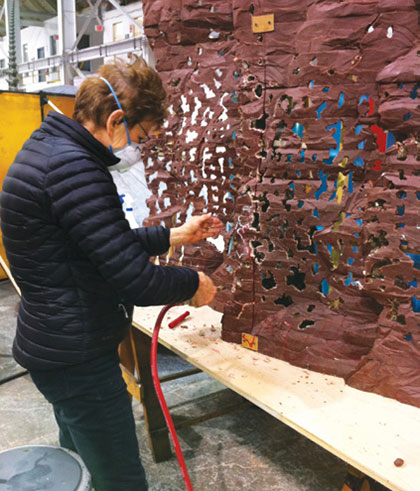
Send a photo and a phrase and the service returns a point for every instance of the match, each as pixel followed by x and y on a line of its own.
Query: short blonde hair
pixel 139 90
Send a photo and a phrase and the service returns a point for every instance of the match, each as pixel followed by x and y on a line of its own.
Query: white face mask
pixel 128 155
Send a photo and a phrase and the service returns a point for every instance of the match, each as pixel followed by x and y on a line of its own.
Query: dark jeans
pixel 94 414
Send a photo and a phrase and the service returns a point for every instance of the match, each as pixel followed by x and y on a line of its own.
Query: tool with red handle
pixel 178 320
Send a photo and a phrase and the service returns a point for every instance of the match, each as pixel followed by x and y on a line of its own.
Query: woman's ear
pixel 113 121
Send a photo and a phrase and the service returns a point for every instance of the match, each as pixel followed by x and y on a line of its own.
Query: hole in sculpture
pixel 256 221
pixel 285 300
pixel 259 256
pixel 263 199
pixel 260 123
pixel 400 210
pixel 305 324
pixel 290 192
pixel 287 207
pixel 280 130
pixel 296 279
pixel 258 91
pixel 377 266
pixel 311 247
pixel 379 241
pixel 402 152
pixel 269 283
pixel 287 103
pixel 400 283
pixel 379 203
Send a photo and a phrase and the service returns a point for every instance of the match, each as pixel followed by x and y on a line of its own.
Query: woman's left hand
pixel 195 229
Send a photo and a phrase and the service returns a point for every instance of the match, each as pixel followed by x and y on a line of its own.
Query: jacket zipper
pixel 122 307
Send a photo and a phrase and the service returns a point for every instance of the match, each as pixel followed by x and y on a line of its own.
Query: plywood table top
pixel 366 430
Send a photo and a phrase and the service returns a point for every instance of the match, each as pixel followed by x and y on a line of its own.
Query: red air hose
pixel 162 402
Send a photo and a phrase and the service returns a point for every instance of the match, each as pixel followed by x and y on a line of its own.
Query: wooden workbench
pixel 366 430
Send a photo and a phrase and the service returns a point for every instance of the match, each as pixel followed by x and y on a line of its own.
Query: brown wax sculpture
pixel 305 142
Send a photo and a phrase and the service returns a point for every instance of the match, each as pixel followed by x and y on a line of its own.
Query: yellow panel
pixel 65 104
pixel 21 115
pixel 263 23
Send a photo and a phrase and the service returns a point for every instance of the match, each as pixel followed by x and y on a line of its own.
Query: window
pixel 53 45
pixel 54 74
pixel 135 30
pixel 3 67
pixel 117 31
pixel 25 56
pixel 42 74
pixel 84 43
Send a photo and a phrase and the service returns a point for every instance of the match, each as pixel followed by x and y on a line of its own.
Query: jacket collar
pixel 57 124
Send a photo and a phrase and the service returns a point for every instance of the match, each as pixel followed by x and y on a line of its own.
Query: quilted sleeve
pixel 154 240
pixel 85 204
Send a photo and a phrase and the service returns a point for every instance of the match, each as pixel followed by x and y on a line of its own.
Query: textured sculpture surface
pixel 304 140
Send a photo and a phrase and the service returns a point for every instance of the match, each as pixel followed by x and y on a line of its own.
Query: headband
pixel 119 107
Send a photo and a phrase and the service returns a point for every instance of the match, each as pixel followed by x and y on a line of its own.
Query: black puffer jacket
pixel 79 265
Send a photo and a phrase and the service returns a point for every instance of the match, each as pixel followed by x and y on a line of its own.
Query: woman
pixel 81 268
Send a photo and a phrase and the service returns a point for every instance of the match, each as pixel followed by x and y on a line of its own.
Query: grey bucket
pixel 42 467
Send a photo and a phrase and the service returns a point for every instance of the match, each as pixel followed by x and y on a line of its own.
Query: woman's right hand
pixel 205 293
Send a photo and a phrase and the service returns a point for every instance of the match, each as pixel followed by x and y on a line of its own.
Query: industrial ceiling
pixel 35 12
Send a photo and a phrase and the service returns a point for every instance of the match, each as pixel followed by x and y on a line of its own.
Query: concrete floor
pixel 243 450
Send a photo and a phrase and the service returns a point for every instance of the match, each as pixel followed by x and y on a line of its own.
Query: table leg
pixel 155 421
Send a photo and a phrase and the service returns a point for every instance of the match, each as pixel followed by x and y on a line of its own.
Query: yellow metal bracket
pixel 263 23
pixel 249 341
pixel 133 386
